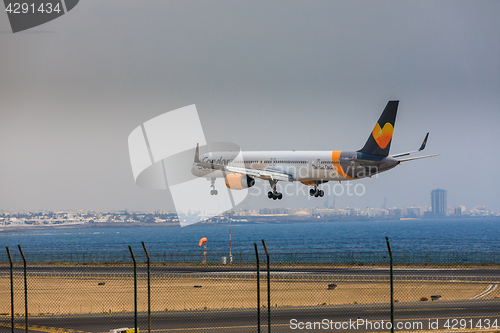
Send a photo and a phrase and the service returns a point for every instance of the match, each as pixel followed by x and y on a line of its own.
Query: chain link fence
pixel 99 290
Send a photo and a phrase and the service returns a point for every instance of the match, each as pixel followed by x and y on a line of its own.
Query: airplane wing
pixel 256 173
pixel 422 147
pixel 262 174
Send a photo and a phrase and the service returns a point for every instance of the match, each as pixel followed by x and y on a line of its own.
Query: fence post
pixel 258 287
pixel 392 285
pixel 135 288
pixel 11 290
pixel 268 290
pixel 149 287
pixel 25 289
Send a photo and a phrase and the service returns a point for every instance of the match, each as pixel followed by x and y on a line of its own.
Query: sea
pixel 427 240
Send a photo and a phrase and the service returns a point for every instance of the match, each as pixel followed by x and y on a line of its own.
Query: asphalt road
pixel 472 274
pixel 348 318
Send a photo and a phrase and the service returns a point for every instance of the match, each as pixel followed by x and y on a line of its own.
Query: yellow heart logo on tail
pixel 383 135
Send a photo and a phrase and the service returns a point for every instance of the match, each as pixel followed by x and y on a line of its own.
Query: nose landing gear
pixel 213 191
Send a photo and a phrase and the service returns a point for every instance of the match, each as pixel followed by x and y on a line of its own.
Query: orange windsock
pixel 203 240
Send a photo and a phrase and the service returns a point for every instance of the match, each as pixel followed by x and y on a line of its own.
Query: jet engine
pixel 239 181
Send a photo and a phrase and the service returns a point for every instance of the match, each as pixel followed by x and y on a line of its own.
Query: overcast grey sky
pixel 267 75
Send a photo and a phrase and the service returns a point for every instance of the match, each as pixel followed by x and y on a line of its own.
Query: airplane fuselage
pixel 311 168
pixel 303 166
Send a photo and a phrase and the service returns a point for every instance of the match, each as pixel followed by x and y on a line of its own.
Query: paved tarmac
pixel 470 274
pixel 342 318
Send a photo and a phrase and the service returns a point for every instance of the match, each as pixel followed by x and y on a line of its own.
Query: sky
pixel 266 75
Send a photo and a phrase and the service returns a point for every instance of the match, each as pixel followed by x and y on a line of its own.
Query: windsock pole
pixel 204 253
pixel 230 255
pixel 204 242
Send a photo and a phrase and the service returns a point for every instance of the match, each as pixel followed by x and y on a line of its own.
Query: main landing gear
pixel 315 192
pixel 274 194
pixel 213 191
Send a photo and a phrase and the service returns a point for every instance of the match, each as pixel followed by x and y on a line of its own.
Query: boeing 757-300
pixel 311 168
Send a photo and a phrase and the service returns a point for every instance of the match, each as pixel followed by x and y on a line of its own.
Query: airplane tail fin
pixel 379 141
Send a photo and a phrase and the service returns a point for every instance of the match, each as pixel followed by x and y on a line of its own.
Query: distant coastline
pixel 29 220
pixel 238 220
pixel 87 226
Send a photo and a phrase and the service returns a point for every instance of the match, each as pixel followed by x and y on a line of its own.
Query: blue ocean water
pixel 465 235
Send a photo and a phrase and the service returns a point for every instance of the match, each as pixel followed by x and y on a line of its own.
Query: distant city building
pixel 376 212
pixel 438 202
pixel 414 212
pixel 459 210
pixel 276 211
pixel 354 211
pixel 395 213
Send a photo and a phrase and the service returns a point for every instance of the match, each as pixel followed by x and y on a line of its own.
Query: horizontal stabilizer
pixel 417 158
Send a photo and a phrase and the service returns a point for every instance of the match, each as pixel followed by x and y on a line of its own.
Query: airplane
pixel 311 168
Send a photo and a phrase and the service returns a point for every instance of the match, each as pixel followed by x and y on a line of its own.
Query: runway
pixel 370 273
pixel 363 317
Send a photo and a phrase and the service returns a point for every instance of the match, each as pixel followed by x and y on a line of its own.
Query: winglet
pixel 424 143
pixel 415 151
pixel 197 154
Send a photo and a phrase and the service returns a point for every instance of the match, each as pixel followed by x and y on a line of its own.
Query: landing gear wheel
pixel 316 192
pixel 275 195
pixel 213 191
